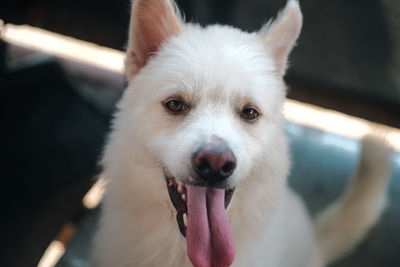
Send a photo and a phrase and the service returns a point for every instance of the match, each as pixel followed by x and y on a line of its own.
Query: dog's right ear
pixel 152 23
pixel 280 35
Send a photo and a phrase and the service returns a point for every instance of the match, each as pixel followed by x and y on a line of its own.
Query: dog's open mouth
pixel 177 193
pixel 202 219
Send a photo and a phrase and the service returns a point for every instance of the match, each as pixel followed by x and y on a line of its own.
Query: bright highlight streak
pixel 65 47
pixel 338 123
pixel 52 254
pixel 94 196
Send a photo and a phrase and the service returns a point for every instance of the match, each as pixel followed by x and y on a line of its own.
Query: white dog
pixel 201 124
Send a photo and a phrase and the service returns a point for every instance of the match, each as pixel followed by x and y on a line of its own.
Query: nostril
pixel 204 167
pixel 228 168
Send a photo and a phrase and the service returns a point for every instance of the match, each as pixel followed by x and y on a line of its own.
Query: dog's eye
pixel 249 113
pixel 175 106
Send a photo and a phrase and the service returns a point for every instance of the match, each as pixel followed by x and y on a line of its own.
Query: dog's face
pixel 214 106
pixel 214 95
pixel 207 105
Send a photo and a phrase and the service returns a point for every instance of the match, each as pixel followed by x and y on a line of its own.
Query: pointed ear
pixel 152 23
pixel 280 35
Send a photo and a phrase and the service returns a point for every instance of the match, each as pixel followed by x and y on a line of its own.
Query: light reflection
pixel 52 254
pixel 94 196
pixel 64 47
pixel 338 123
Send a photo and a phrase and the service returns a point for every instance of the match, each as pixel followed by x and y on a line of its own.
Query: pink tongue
pixel 208 233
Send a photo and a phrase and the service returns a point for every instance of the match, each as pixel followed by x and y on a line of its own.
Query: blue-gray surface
pixel 322 165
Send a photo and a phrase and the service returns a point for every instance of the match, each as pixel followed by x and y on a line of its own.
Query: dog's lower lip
pixel 177 194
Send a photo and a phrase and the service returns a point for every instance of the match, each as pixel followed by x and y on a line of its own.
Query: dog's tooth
pixel 183 197
pixel 185 219
pixel 180 188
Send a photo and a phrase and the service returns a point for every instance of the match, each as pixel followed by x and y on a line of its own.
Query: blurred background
pixel 57 101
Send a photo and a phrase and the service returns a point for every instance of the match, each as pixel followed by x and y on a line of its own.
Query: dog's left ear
pixel 152 23
pixel 280 35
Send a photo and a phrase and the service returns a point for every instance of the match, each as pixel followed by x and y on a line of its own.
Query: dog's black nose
pixel 214 161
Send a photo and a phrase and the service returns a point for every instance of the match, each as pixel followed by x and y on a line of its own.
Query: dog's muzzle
pixel 212 164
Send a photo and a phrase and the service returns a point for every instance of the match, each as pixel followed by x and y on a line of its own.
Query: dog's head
pixel 207 105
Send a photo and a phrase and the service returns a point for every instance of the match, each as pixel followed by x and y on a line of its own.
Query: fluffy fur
pixel 217 69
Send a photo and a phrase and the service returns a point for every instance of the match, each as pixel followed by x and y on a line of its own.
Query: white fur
pixel 219 69
pixel 362 202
